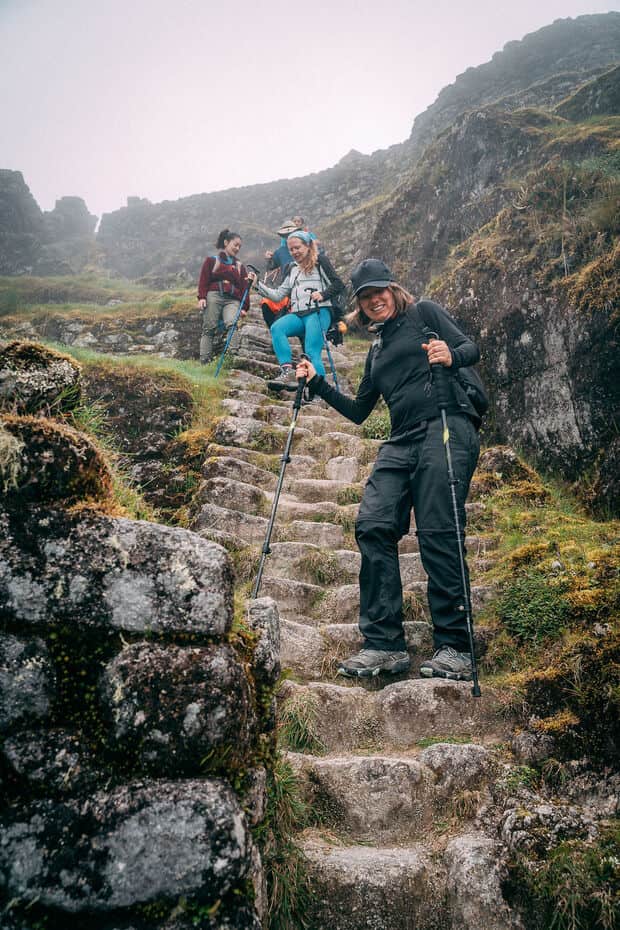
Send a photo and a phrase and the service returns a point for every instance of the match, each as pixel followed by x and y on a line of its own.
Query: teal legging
pixel 310 328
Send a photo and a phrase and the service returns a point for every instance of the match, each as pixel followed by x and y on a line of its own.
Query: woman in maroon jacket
pixel 223 282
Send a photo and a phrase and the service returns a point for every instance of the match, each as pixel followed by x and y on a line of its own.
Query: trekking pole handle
pixel 439 377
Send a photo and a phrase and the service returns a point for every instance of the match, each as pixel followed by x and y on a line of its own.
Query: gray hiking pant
pixel 219 307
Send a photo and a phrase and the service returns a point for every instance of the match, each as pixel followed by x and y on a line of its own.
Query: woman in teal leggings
pixel 311 284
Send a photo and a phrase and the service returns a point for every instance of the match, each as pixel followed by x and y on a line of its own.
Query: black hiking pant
pixel 412 472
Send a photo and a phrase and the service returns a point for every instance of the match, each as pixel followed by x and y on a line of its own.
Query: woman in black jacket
pixel 410 471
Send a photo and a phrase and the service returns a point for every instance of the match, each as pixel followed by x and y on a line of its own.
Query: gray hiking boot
pixel 286 380
pixel 369 663
pixel 448 663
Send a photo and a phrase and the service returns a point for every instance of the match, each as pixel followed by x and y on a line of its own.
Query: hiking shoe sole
pixel 402 665
pixel 278 386
pixel 453 676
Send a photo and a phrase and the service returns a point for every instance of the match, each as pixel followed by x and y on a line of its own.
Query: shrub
pixel 533 607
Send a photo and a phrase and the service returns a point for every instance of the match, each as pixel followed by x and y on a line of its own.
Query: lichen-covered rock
pixel 263 619
pixel 50 462
pixel 54 763
pixel 140 843
pixel 35 378
pixel 474 885
pixel 255 798
pixel 173 705
pixel 102 573
pixel 456 766
pixel 536 824
pixel 27 682
pixel 44 460
pixel 531 746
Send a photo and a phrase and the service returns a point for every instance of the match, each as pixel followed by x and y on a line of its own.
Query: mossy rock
pixel 36 379
pixel 45 461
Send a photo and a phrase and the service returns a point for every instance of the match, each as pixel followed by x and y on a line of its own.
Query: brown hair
pixel 312 258
pixel 402 299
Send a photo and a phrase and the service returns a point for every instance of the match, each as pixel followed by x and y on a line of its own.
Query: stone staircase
pixel 396 772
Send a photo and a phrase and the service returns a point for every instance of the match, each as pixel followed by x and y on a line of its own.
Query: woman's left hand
pixel 316 296
pixel 438 352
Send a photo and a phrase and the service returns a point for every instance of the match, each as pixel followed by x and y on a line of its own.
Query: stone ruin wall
pixel 136 723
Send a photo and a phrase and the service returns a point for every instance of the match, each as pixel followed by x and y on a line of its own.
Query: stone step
pixel 475 545
pixel 340 566
pixel 230 466
pixel 370 888
pixel 458 884
pixel 305 561
pixel 294 598
pixel 337 443
pixel 212 520
pixel 323 534
pixel 252 398
pixel 320 424
pixel 321 489
pixel 312 652
pixel 234 495
pixel 343 468
pixel 300 466
pixel 236 529
pixel 341 605
pixel 259 436
pixel 289 508
pixel 394 798
pixel 351 718
pixel 261 369
pixel 237 377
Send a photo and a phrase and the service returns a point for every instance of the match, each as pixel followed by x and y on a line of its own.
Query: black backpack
pixel 467 377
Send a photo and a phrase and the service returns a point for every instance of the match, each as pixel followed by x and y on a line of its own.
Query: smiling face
pixel 232 246
pixel 298 248
pixel 377 303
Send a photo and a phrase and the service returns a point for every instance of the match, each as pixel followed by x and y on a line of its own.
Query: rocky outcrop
pixel 537 71
pixel 134 730
pixel 23 232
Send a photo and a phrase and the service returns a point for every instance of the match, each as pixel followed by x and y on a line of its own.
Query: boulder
pixel 27 682
pixel 172 706
pixel 54 763
pixel 263 619
pixel 101 573
pixel 45 461
pixel 137 844
pixel 35 378
pixel 474 885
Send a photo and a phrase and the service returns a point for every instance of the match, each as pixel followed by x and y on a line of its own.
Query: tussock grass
pixel 298 723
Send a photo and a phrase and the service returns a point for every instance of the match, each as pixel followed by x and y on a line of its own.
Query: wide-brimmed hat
pixel 288 227
pixel 372 272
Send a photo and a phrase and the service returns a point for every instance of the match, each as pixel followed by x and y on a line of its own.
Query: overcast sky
pixel 165 98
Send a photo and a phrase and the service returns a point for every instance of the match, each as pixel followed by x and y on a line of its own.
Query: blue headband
pixel 300 234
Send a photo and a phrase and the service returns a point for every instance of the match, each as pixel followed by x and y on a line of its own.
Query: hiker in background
pixel 311 284
pixel 410 471
pixel 281 256
pixel 223 281
pixel 277 267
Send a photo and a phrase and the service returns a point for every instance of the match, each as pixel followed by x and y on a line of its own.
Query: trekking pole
pixel 286 457
pixel 439 378
pixel 231 331
pixel 326 344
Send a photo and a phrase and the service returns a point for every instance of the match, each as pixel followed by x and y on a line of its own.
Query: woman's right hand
pixel 202 304
pixel 305 369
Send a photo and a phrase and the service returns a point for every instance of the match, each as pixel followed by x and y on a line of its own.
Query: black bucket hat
pixel 372 272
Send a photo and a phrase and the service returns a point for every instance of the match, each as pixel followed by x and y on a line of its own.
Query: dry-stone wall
pixel 136 724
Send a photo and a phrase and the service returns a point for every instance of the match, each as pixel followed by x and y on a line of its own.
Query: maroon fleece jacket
pixel 230 279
